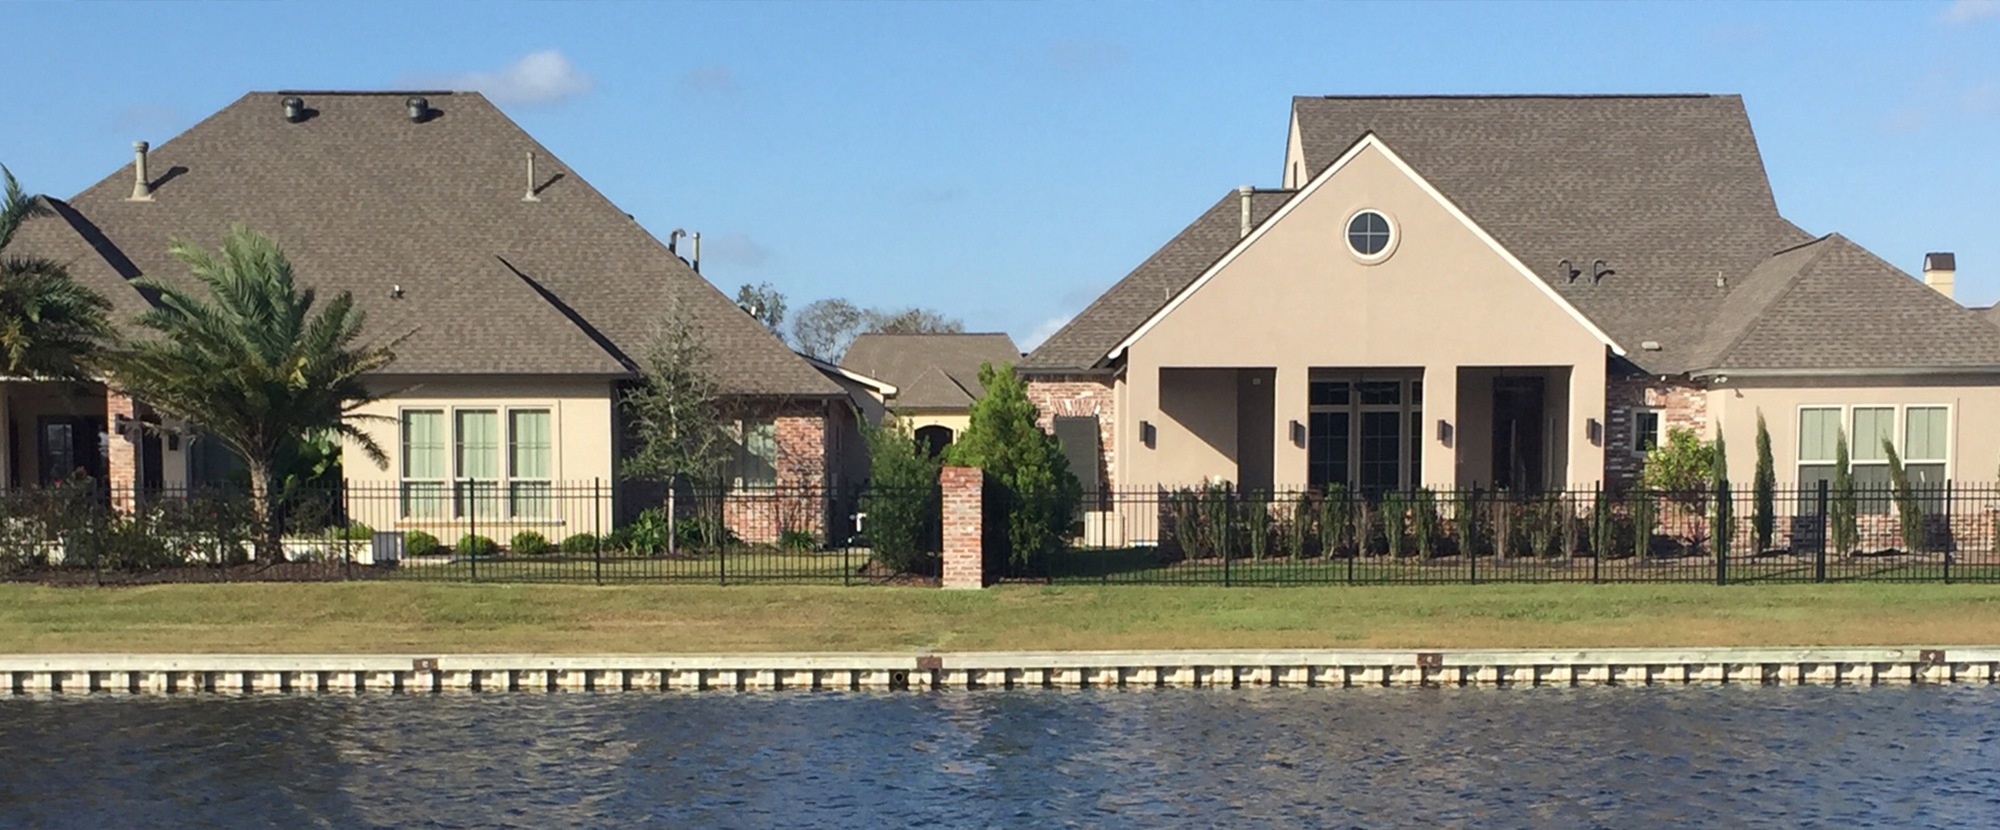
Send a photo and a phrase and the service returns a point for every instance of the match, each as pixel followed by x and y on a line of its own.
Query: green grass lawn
pixel 439 618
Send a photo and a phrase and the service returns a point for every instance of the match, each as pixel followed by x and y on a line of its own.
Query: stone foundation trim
pixel 77 674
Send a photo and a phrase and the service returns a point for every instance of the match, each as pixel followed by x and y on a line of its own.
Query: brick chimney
pixel 1939 269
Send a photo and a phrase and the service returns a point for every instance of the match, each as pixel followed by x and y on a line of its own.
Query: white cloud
pixel 537 78
pixel 1047 329
pixel 1966 11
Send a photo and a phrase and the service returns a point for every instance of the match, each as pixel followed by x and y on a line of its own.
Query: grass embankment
pixel 380 617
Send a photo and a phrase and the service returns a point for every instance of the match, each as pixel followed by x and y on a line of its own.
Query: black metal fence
pixel 584 532
pixel 1214 535
pixel 592 532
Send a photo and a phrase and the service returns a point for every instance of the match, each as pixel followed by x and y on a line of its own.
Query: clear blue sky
pixel 1004 162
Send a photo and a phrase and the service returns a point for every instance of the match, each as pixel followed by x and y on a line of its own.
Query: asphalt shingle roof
pixel 1668 190
pixel 1830 304
pixel 929 371
pixel 364 200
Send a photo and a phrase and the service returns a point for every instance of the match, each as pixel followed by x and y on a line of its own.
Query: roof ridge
pixel 1518 96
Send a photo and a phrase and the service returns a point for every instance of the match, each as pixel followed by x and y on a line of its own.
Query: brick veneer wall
pixel 122 463
pixel 1682 405
pixel 798 501
pixel 963 489
pixel 1079 395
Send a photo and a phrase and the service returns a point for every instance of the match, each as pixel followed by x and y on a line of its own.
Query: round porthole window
pixel 1370 236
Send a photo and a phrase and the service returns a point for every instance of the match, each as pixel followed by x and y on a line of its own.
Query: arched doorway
pixel 932 439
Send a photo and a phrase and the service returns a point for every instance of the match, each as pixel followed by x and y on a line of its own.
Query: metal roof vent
pixel 420 109
pixel 295 109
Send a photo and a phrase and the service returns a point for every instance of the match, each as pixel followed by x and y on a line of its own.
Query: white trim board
pixel 1367 141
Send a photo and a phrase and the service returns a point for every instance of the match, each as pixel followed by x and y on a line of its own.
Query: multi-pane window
pixel 529 464
pixel 1645 430
pixel 460 463
pixel 1364 434
pixel 1919 434
pixel 425 472
pixel 478 455
pixel 1819 439
pixel 1874 429
pixel 755 463
pixel 1925 442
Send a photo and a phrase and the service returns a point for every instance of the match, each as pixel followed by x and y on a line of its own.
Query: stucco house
pixel 1520 292
pixel 526 297
pixel 935 377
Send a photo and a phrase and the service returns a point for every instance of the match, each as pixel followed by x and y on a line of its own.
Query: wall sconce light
pixel 1594 429
pixel 1147 434
pixel 173 442
pixel 1298 434
pixel 1444 432
pixel 125 427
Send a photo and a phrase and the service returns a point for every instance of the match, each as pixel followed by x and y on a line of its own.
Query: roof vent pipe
pixel 142 189
pixel 1940 271
pixel 695 260
pixel 530 195
pixel 1243 197
pixel 295 109
pixel 420 109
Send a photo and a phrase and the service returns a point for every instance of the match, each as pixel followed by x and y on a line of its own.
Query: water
pixel 1485 758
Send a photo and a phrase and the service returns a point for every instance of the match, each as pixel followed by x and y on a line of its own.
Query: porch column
pixel 122 462
pixel 1291 403
pixel 1586 407
pixel 1440 462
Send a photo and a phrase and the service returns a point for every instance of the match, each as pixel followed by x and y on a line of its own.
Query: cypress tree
pixel 1764 517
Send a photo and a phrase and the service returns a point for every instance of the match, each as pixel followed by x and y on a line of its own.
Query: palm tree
pixel 252 363
pixel 51 326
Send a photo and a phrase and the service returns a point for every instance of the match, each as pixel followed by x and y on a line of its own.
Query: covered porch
pixel 59 431
pixel 1375 428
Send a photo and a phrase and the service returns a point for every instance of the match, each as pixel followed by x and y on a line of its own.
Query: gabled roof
pixel 364 200
pixel 930 371
pixel 1669 191
pixel 1087 338
pixel 1831 305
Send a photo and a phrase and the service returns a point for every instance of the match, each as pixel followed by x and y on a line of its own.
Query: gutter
pixel 1725 374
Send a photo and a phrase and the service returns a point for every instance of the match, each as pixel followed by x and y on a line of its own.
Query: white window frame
pixel 453 499
pixel 1659 428
pixel 1899 433
pixel 403 478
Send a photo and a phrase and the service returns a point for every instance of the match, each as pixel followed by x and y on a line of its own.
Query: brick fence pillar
pixel 122 461
pixel 964 532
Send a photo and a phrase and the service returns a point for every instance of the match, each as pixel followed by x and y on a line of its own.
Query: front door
pixel 66 444
pixel 1518 448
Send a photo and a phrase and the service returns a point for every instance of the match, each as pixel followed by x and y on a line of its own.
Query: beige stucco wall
pixel 581 429
pixel 1974 403
pixel 955 420
pixel 1298 299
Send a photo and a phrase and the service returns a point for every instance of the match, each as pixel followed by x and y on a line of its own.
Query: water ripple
pixel 1492 759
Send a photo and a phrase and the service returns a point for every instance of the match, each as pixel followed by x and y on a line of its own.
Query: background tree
pixel 901 501
pixel 765 303
pixel 911 321
pixel 1002 439
pixel 1841 507
pixel 254 363
pixel 676 413
pixel 824 328
pixel 51 326
pixel 1765 512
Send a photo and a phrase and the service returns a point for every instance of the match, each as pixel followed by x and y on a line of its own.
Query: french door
pixel 1364 433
